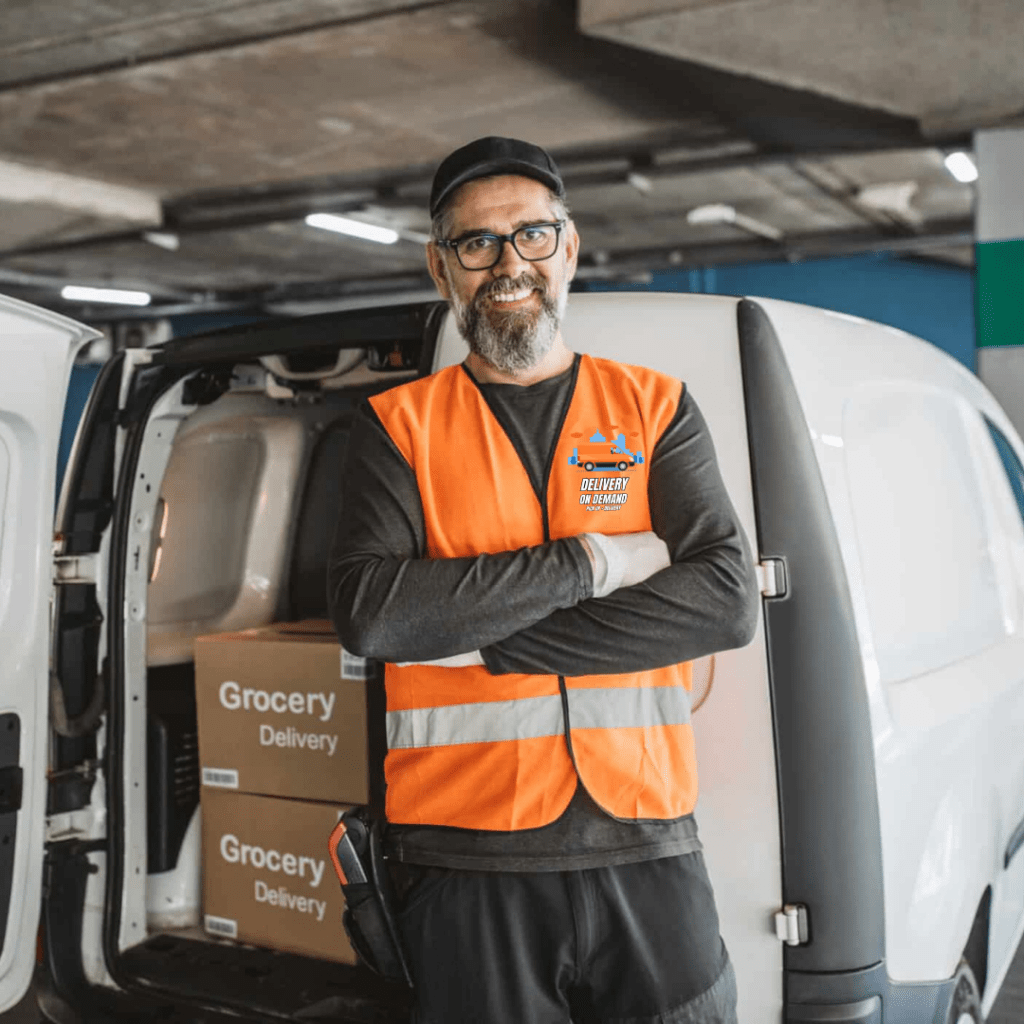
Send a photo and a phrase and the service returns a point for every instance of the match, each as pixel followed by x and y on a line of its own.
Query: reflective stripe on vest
pixel 486 722
pixel 513 761
pixel 531 717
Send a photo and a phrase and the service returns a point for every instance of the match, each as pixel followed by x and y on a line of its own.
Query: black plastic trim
pixel 10 805
pixel 1014 845
pixel 976 950
pixel 870 993
pixel 329 331
pixel 831 838
pixel 864 1011
pixel 89 484
pixel 86 506
pixel 66 872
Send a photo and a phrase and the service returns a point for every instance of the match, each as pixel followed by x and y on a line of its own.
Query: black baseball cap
pixel 493 155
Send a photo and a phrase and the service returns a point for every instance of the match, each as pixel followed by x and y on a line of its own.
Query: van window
pixel 1012 465
pixel 922 532
pixel 209 494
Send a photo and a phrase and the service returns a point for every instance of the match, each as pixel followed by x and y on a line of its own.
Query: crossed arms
pixel 533 610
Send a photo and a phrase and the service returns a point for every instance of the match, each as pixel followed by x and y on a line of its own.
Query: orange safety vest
pixel 504 752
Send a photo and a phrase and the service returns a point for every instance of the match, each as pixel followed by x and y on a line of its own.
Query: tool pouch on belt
pixel 368 918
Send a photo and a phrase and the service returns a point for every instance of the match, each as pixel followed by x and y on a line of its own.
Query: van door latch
pixel 771 577
pixel 791 924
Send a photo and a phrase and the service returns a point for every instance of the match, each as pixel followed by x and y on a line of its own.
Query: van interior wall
pixel 306 516
pixel 932 300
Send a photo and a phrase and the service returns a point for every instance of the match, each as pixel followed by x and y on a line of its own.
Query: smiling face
pixel 510 314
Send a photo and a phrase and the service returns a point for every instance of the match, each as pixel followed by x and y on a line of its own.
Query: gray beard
pixel 512 340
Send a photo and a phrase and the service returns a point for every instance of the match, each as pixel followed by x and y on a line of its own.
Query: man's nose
pixel 510 263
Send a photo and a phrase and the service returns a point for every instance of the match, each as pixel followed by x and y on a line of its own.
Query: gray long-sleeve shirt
pixel 532 610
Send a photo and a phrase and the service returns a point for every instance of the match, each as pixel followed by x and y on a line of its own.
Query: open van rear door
pixel 37 349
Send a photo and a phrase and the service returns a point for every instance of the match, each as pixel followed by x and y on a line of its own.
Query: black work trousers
pixel 633 944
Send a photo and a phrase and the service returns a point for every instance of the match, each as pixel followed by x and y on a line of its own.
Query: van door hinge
pixel 771 577
pixel 84 824
pixel 82 568
pixel 791 924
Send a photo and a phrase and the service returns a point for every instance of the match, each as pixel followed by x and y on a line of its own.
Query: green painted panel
pixel 999 292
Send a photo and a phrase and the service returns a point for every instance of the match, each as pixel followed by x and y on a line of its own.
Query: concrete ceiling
pixel 952 65
pixel 179 150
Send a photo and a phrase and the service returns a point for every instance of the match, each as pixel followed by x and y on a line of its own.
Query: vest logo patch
pixel 604 493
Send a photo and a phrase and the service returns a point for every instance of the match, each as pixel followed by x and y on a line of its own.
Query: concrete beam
pixel 59 40
pixel 22 184
pixel 953 65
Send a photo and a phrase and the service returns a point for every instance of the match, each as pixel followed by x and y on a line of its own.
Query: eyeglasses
pixel 482 250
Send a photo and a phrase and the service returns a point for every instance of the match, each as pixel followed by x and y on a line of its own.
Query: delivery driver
pixel 540 768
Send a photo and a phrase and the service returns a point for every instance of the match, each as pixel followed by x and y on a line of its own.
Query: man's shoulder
pixel 641 376
pixel 412 391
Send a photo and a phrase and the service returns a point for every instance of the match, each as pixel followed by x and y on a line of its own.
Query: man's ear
pixel 572 249
pixel 438 271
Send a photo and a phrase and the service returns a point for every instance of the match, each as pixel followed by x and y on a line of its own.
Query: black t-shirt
pixel 533 610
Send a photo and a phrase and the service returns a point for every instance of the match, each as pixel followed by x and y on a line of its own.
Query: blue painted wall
pixel 83 375
pixel 933 301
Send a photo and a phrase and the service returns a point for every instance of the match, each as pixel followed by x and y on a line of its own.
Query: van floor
pixel 262 982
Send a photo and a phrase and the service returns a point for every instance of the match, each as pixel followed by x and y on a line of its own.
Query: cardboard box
pixel 267 876
pixel 282 712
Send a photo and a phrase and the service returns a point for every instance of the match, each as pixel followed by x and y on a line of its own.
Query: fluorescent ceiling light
pixel 347 226
pixel 962 167
pixel 712 213
pixel 722 213
pixel 163 239
pixel 115 295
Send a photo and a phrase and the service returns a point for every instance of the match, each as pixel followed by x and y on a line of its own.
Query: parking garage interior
pixel 177 170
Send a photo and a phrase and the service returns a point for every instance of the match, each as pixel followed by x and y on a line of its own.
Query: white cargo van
pixel 861 763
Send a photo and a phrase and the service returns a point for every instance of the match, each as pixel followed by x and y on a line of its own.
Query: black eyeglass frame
pixel 453 243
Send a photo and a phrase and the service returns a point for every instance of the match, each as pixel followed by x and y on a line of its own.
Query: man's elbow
pixel 354 639
pixel 744 627
pixel 359 634
pixel 741 619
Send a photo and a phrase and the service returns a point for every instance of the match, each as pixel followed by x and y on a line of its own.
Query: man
pixel 540 767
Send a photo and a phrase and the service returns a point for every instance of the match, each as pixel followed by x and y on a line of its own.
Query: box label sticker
pixel 352 666
pixel 221 926
pixel 225 778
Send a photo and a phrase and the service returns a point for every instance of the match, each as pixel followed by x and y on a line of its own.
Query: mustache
pixel 509 284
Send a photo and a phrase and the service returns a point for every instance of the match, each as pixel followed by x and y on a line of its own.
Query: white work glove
pixel 453 661
pixel 625 559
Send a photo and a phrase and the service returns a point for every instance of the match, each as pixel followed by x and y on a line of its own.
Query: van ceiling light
pixel 357 228
pixel 117 296
pixel 962 167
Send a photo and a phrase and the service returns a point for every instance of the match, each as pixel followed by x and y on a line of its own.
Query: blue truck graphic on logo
pixel 600 453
